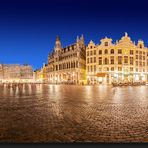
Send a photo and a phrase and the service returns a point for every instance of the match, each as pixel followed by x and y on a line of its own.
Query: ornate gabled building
pixel 15 72
pixel 121 61
pixel 67 65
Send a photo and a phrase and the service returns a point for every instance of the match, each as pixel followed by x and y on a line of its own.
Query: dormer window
pixel 140 46
pixel 106 44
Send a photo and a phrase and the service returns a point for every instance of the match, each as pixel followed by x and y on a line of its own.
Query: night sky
pixel 28 28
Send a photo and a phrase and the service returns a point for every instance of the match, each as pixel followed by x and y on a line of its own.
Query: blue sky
pixel 28 28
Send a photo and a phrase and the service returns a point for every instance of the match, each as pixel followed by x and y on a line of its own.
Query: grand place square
pixel 83 93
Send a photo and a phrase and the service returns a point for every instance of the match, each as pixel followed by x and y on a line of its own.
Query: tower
pixel 58 46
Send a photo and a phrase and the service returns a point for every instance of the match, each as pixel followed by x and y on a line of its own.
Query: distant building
pixel 15 72
pixel 120 61
pixel 67 65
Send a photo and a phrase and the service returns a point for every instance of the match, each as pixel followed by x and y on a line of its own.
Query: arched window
pixel 106 51
pixel 112 51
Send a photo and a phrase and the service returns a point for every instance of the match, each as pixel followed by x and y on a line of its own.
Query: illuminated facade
pixel 15 72
pixel 123 61
pixel 67 65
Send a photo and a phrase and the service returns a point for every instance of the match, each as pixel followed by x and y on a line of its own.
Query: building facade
pixel 15 72
pixel 123 61
pixel 67 65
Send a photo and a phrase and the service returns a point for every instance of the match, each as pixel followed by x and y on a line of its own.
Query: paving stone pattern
pixel 68 113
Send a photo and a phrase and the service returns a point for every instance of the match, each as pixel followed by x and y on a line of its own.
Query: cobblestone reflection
pixel 69 113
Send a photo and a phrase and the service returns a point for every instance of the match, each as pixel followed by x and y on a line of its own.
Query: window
pixel 100 60
pixel 140 46
pixel 90 52
pixel 112 60
pixel 136 63
pixel 136 56
pixel 131 52
pixel 112 51
pixel 125 59
pixel 140 57
pixel 143 57
pixel 106 44
pixel 106 51
pixel 106 61
pixel 119 60
pixel 119 68
pixel 88 68
pixel 94 68
pixel 87 53
pixel 94 52
pixel 94 59
pixel 112 68
pixel 143 63
pixel 119 51
pixel 88 60
pixel 131 60
pixel 100 51
pixel 91 68
pixel 131 68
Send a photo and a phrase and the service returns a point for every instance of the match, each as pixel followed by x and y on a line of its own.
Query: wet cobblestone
pixel 64 113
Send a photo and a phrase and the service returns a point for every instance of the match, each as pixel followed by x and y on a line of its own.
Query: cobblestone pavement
pixel 58 113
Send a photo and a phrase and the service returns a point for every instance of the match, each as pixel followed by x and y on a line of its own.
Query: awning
pixel 100 74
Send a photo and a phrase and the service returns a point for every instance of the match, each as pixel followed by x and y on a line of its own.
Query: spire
pixel 58 43
pixel 57 38
pixel 77 38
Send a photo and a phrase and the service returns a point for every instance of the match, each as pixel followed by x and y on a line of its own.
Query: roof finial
pixel 126 35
